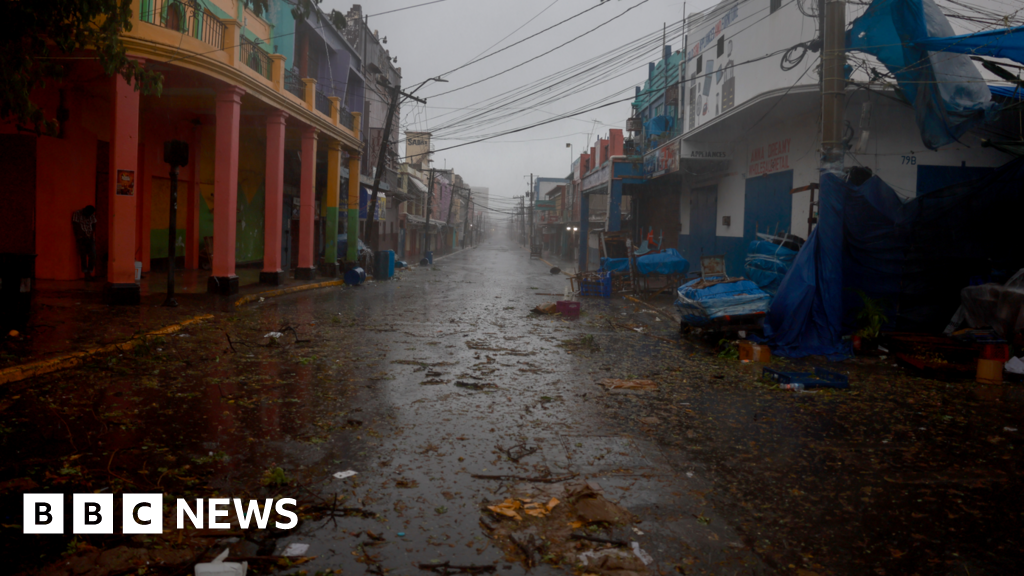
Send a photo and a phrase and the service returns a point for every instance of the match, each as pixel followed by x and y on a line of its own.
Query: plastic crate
pixel 601 288
pixel 568 309
pixel 820 378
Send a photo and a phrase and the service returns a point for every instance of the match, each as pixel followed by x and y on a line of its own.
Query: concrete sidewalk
pixel 70 320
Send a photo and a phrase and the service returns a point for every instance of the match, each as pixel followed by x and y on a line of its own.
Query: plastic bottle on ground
pixel 796 387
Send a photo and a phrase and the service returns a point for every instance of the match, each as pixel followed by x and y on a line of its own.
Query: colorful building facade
pixel 253 127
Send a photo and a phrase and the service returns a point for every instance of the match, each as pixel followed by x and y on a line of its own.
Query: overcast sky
pixel 434 39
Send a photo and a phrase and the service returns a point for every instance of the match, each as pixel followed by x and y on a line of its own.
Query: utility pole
pixel 430 198
pixel 833 84
pixel 465 224
pixel 533 200
pixel 396 90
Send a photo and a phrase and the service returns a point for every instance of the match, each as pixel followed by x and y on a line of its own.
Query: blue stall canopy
pixel 666 262
pixel 1004 43
pixel 947 91
pixel 914 257
pixel 699 304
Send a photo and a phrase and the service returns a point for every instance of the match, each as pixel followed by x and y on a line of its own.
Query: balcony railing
pixel 345 119
pixel 255 57
pixel 185 16
pixel 322 104
pixel 293 84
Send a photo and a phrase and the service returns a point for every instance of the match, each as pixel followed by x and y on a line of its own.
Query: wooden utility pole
pixel 430 198
pixel 465 223
pixel 833 84
pixel 371 207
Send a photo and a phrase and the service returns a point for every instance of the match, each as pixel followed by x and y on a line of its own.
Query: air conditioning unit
pixel 634 124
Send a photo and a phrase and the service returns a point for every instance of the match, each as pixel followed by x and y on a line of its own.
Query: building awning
pixel 421 187
pixel 421 221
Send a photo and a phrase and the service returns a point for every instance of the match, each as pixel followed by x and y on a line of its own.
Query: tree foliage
pixel 39 39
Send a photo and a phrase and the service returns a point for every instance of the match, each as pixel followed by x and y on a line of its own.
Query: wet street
pixel 446 394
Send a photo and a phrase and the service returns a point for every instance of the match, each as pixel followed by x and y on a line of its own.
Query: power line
pixel 605 23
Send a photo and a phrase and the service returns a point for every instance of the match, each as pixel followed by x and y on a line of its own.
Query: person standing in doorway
pixel 84 223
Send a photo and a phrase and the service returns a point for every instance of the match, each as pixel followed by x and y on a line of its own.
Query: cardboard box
pixel 751 352
pixel 989 371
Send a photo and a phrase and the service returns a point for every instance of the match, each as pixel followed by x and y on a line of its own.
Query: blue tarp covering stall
pixel 947 91
pixel 699 306
pixel 915 257
pixel 767 264
pixel 666 262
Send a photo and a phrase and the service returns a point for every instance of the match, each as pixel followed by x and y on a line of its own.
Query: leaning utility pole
pixel 371 208
pixel 833 84
pixel 430 198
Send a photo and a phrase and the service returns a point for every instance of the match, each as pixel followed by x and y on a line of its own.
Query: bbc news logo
pixel 143 513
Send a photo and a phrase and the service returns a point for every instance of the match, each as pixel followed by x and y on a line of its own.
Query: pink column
pixel 225 191
pixel 306 269
pixel 273 210
pixel 123 188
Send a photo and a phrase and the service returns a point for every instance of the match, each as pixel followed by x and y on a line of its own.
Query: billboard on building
pixel 725 64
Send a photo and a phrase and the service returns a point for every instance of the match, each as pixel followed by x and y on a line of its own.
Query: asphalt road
pixel 430 385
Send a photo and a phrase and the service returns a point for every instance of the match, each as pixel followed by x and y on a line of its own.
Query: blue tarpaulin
pixel 700 306
pixel 615 265
pixel 767 264
pixel 1004 43
pixel 947 92
pixel 668 261
pixel 658 125
pixel 914 257
pixel 806 317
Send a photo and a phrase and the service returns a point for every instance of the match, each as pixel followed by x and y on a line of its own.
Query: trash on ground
pixel 593 507
pixel 218 567
pixel 820 378
pixel 555 269
pixel 637 385
pixel 345 474
pixel 547 308
pixel 752 352
pixel 295 549
pixel 612 561
pixel 639 552
pixel 990 371
pixel 274 335
pixel 1014 365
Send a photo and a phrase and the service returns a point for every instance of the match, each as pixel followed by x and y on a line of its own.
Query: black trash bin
pixel 17 272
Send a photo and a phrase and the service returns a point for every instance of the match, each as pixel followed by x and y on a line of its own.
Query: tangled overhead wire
pixel 795 55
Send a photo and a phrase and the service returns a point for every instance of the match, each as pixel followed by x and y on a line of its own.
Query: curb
pixel 248 299
pixel 23 371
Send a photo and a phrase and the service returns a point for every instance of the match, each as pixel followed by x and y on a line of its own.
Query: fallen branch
pixel 524 478
pixel 620 543
pixel 294 333
pixel 447 567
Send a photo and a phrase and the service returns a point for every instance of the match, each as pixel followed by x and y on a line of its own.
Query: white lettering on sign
pixel 771 158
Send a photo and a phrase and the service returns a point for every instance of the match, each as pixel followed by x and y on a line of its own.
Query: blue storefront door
pixel 703 213
pixel 768 206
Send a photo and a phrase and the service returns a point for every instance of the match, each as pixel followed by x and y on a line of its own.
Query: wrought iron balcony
pixel 185 16
pixel 255 57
